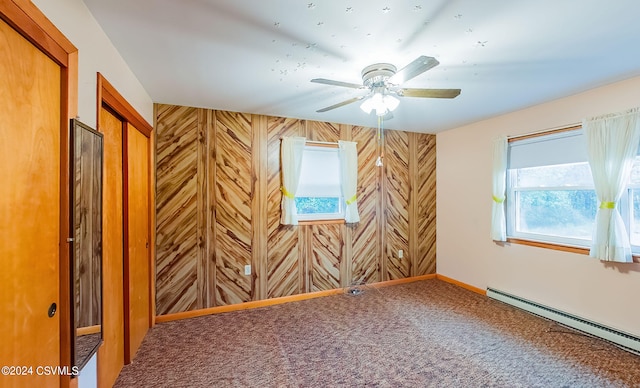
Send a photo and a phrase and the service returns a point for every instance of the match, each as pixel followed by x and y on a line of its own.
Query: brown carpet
pixel 422 334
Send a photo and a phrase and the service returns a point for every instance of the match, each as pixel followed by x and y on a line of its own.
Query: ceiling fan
pixel 383 82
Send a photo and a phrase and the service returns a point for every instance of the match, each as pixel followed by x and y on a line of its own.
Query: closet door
pixel 111 353
pixel 29 210
pixel 137 262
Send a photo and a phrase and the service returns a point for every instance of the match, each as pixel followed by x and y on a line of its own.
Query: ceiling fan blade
pixel 337 83
pixel 338 105
pixel 415 68
pixel 429 93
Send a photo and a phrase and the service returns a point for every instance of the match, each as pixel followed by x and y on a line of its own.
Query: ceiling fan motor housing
pixel 376 75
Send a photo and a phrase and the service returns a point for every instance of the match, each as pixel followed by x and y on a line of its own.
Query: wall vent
pixel 625 340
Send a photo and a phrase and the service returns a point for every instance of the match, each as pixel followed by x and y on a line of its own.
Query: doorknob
pixel 52 309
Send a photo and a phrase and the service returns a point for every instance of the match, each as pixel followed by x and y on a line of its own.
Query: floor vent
pixel 625 340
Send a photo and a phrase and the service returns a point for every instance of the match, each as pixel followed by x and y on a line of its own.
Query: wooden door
pixel 137 261
pixel 30 108
pixel 111 353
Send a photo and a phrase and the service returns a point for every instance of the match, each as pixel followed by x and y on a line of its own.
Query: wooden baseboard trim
pixel 461 284
pixel 280 300
pixel 402 281
pixel 246 305
pixel 88 330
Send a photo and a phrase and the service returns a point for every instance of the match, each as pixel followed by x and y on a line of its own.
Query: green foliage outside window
pixel 317 205
pixel 568 213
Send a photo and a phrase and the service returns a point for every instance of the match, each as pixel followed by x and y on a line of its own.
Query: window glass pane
pixel 317 205
pixel 563 213
pixel 562 175
pixel 635 172
pixel 635 217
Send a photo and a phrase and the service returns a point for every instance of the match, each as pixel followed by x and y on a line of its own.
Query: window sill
pixel 321 222
pixel 558 247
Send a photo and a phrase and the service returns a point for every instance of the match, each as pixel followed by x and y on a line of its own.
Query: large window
pixel 319 194
pixel 550 193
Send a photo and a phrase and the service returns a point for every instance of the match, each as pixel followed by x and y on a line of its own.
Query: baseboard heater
pixel 625 340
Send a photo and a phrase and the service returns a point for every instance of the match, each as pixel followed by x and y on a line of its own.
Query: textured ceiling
pixel 259 56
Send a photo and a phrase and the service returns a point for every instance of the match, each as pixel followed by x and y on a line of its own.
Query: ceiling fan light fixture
pixel 382 104
pixel 367 106
pixel 391 102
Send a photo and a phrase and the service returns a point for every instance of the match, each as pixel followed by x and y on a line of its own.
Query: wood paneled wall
pixel 218 209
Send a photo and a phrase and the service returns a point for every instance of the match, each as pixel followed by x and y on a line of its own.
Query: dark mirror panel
pixel 86 259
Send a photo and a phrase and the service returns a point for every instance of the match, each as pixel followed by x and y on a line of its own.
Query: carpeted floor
pixel 423 334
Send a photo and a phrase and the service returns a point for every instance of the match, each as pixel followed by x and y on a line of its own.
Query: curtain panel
pixel 348 153
pixel 499 177
pixel 291 151
pixel 612 144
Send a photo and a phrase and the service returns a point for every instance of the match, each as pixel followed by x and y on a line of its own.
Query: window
pixel 630 206
pixel 319 193
pixel 550 192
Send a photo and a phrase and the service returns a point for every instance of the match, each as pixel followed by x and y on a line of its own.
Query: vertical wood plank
pixel 284 269
pixel 425 211
pixel 367 234
pixel 177 208
pixel 233 207
pixel 259 209
pixel 212 206
pixel 397 202
pixel 411 256
pixel 381 215
pixel 202 191
pixel 306 256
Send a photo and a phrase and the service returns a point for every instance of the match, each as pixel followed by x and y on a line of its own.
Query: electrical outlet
pixel 400 253
pixel 247 269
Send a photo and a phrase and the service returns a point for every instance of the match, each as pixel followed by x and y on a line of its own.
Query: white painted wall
pixel 96 54
pixel 605 293
pixel 88 377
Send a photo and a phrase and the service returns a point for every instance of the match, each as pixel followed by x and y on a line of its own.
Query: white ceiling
pixel 259 56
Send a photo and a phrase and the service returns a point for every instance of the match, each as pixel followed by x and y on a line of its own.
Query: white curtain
pixel 349 175
pixel 498 221
pixel 612 144
pixel 291 151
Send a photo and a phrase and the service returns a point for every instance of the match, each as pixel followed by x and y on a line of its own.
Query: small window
pixel 319 193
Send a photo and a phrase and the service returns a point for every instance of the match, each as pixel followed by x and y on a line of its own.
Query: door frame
pixel 33 25
pixel 109 96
